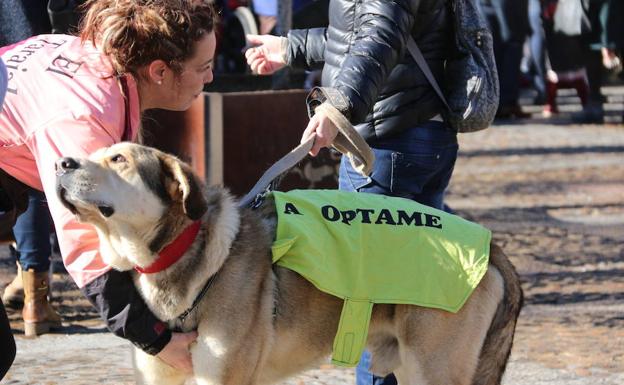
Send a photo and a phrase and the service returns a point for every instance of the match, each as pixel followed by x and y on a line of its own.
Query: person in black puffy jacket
pixel 371 78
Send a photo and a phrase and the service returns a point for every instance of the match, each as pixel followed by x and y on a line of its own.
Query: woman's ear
pixel 156 71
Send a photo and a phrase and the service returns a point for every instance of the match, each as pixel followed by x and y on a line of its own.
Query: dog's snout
pixel 67 163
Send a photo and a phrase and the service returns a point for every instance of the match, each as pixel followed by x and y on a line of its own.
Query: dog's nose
pixel 67 164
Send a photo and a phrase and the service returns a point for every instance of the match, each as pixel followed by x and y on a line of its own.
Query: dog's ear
pixel 185 186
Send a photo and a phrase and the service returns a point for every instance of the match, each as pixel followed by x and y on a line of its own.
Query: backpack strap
pixel 413 49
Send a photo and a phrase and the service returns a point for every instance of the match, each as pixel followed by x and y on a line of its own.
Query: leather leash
pixel 348 141
pixel 255 196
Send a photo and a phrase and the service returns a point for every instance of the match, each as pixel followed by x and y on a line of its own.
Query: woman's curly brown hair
pixel 133 33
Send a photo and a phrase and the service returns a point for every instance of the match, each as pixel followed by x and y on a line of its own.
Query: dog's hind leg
pixel 384 350
pixel 451 344
pixel 497 345
pixel 410 372
pixel 422 369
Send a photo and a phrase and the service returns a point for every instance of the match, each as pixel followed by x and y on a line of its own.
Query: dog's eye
pixel 118 158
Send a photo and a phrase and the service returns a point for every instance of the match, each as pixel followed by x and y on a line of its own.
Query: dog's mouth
pixel 105 209
pixel 62 195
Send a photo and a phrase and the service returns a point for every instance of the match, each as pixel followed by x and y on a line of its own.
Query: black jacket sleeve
pixel 125 313
pixel 306 48
pixel 382 28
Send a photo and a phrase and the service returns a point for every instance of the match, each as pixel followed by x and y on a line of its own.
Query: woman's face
pixel 179 91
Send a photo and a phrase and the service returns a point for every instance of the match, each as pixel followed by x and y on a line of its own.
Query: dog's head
pixel 129 192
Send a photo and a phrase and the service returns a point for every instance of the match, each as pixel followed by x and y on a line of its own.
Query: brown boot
pixel 39 316
pixel 13 296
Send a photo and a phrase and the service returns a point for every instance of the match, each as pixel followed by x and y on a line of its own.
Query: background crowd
pixel 544 45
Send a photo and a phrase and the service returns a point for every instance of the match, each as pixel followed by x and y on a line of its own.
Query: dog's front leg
pixel 231 360
pixel 151 370
pixel 209 355
pixel 217 365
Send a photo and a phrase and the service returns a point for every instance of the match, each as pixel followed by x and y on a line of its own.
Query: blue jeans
pixel 536 44
pixel 416 164
pixel 32 233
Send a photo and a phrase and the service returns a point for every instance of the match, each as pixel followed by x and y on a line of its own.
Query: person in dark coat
pixel 601 43
pixel 509 23
pixel 371 78
pixel 21 19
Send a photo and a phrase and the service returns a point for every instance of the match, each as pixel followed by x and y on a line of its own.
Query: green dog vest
pixel 369 248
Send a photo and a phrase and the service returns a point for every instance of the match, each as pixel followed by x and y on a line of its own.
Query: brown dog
pixel 257 322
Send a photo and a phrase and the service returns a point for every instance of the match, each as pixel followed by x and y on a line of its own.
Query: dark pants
pixel 598 14
pixel 416 164
pixel 509 22
pixel 7 342
pixel 13 202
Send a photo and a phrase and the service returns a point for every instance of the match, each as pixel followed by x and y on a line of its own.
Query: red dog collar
pixel 171 253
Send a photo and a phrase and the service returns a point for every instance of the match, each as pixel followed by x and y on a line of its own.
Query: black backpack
pixel 471 90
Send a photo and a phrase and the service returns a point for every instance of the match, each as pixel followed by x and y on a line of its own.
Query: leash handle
pixel 348 141
pixel 278 168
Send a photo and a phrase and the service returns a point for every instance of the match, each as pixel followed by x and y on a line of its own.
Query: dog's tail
pixel 497 345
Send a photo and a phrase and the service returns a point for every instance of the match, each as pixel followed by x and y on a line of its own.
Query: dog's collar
pixel 171 253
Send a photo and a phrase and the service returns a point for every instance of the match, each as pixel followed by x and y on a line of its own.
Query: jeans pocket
pixel 349 179
pixel 412 172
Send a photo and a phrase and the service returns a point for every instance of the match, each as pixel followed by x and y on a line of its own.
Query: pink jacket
pixel 62 101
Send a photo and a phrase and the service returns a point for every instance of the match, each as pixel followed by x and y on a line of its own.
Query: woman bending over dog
pixel 69 96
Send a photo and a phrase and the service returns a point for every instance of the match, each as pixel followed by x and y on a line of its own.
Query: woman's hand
pixel 176 353
pixel 266 54
pixel 324 130
pixel 609 59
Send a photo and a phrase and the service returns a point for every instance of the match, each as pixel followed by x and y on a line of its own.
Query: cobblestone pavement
pixel 553 194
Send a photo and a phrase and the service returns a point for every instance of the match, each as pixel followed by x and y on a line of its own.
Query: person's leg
pixel 7 353
pixel 536 45
pixel 351 180
pixel 13 294
pixel 13 202
pixel 416 164
pixel 513 20
pixel 593 111
pixel 593 65
pixel 32 236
